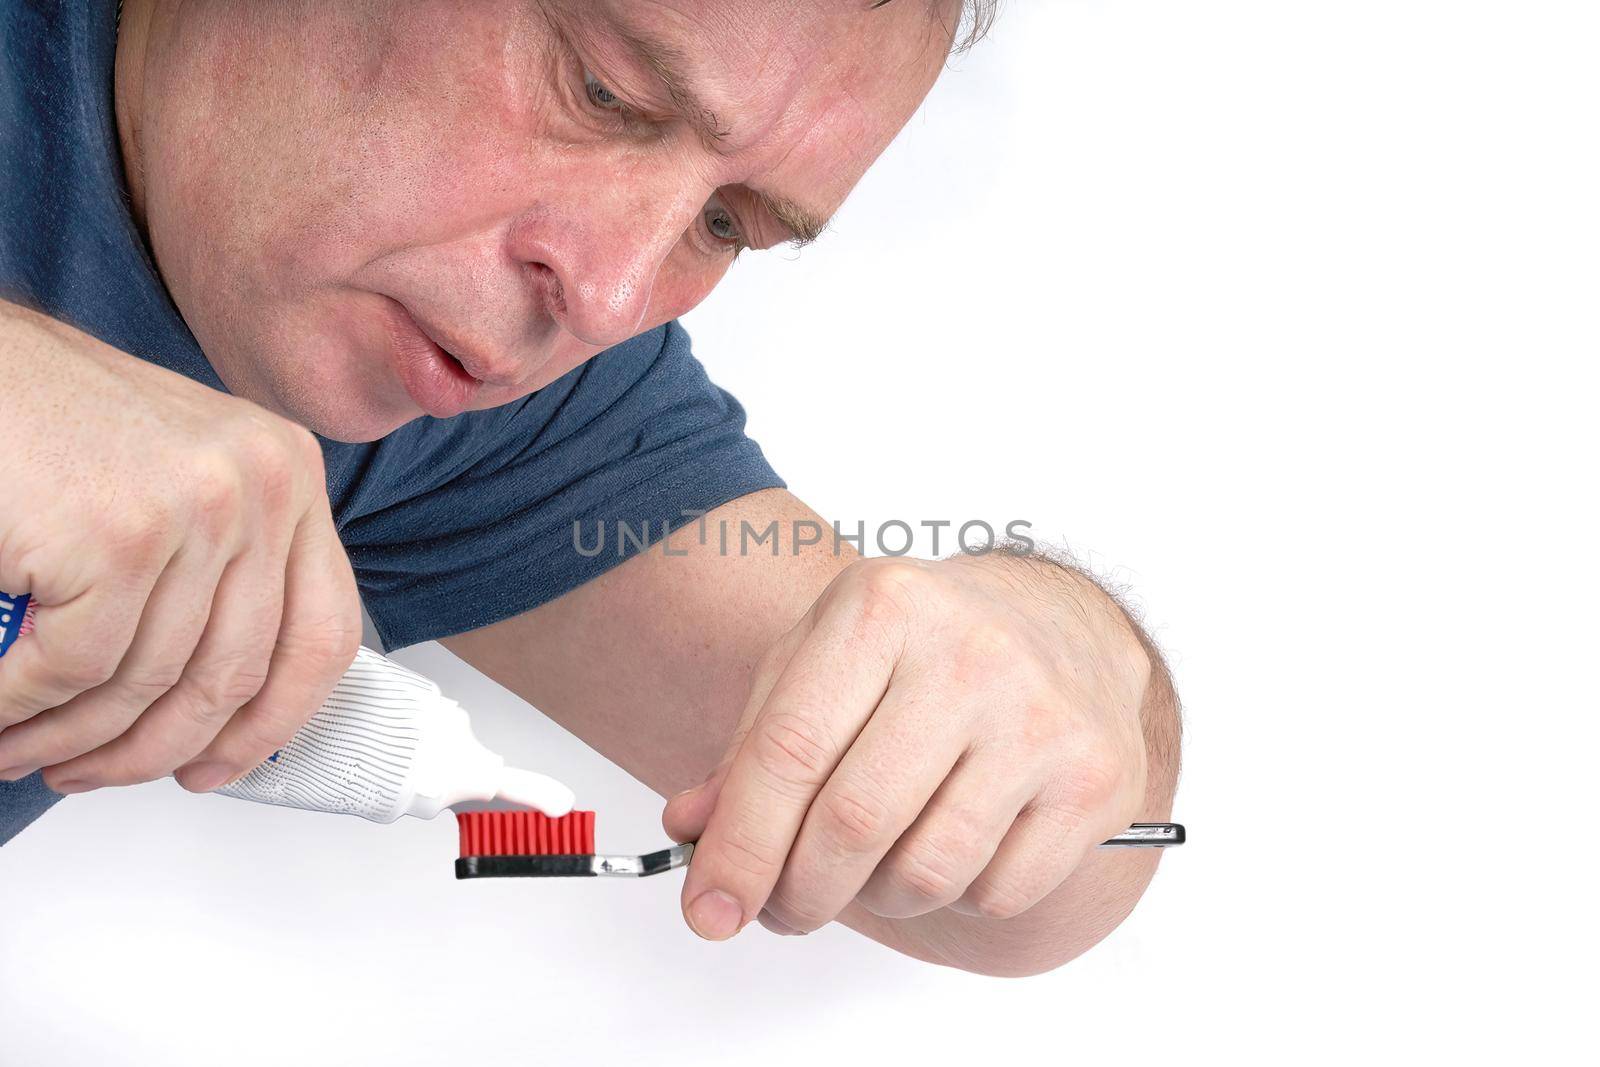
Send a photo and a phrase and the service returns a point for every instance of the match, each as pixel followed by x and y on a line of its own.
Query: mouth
pixel 437 381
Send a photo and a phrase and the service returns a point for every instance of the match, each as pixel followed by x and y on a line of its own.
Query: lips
pixel 436 382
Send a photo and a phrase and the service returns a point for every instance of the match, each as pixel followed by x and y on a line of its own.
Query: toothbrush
pixel 525 844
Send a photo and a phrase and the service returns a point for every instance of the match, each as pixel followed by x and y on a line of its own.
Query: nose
pixel 597 256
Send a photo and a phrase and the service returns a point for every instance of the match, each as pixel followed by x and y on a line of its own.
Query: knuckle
pixel 327 645
pixel 277 456
pixel 305 449
pixel 746 853
pixel 985 646
pixel 82 669
pixel 855 819
pixel 927 871
pixel 885 592
pixel 255 738
pixel 890 575
pixel 229 682
pixel 148 684
pixel 295 463
pixel 1136 662
pixel 196 708
pixel 344 639
pixel 789 748
pixel 132 539
pixel 1044 724
pixel 274 490
pixel 1093 781
pixel 215 493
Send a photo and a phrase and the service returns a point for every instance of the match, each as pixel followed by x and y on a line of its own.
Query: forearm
pixel 650 663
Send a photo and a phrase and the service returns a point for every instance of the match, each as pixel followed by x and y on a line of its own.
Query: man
pixel 451 241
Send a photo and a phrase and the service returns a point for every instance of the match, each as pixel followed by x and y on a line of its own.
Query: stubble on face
pixel 296 166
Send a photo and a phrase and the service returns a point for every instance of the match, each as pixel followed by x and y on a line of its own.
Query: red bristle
pixel 525 833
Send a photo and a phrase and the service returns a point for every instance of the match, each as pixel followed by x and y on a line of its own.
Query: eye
pixel 721 224
pixel 599 95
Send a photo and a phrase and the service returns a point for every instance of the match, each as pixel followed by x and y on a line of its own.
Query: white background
pixel 1281 314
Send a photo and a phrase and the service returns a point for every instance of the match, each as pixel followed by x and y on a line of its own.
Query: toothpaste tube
pixel 16 619
pixel 386 743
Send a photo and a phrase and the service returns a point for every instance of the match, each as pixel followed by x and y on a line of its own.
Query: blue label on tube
pixel 12 609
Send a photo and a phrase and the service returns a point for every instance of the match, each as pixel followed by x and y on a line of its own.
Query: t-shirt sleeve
pixel 576 478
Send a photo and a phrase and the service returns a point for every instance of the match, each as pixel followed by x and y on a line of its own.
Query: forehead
pixel 818 86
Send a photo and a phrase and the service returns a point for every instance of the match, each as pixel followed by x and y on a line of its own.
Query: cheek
pixel 686 278
pixel 282 184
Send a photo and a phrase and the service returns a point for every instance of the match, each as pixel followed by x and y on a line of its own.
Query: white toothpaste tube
pixel 388 743
pixel 385 743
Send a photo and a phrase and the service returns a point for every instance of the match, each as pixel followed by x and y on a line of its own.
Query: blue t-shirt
pixel 450 524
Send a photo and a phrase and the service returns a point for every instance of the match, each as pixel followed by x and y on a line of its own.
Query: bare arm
pixel 652 665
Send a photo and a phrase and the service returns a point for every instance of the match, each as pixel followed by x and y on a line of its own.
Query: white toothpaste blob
pixel 388 743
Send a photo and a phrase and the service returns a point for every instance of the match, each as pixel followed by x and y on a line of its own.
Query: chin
pixel 329 418
pixel 350 431
pixel 333 400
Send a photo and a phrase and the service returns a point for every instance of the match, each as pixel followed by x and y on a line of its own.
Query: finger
pixel 685 815
pixel 898 762
pixel 1050 838
pixel 776 925
pixel 75 645
pixel 320 613
pixel 170 627
pixel 815 711
pixel 952 840
pixel 227 667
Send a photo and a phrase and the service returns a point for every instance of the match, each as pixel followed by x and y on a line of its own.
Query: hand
pixel 956 734
pixel 195 605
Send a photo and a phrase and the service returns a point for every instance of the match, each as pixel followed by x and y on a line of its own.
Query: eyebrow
pixel 805 225
pixel 668 63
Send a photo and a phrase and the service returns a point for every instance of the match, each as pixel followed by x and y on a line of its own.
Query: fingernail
pixel 715 916
pixel 71 787
pixel 204 777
